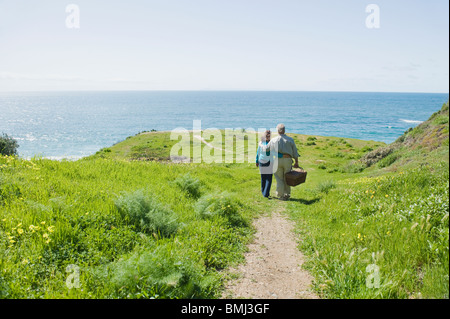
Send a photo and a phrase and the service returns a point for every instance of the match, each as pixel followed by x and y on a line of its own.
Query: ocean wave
pixel 411 121
pixel 56 158
pixel 27 137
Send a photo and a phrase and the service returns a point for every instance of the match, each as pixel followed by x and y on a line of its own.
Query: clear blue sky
pixel 318 45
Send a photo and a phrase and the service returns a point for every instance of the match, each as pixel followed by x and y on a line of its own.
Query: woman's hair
pixel 263 135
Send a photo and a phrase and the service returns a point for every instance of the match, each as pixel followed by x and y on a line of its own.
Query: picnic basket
pixel 296 177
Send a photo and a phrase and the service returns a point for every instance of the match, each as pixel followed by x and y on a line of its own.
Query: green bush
pixel 326 186
pixel 164 271
pixel 338 155
pixel 221 205
pixel 388 160
pixel 353 167
pixel 8 145
pixel 441 119
pixel 366 149
pixel 189 185
pixel 147 214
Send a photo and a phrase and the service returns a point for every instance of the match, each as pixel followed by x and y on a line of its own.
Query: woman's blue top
pixel 263 157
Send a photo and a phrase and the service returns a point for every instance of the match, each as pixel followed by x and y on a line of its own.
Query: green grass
pixel 398 222
pixel 99 213
pixel 392 216
pixel 139 226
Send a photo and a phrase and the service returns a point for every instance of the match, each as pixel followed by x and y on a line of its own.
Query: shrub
pixel 147 214
pixel 441 119
pixel 221 205
pixel 322 166
pixel 325 187
pixel 354 167
pixel 388 161
pixel 189 185
pixel 8 145
pixel 377 155
pixel 366 149
pixel 164 271
pixel 338 155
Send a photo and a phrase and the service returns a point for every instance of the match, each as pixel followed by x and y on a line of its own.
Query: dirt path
pixel 272 269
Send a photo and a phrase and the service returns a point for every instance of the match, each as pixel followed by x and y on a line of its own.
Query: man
pixel 287 150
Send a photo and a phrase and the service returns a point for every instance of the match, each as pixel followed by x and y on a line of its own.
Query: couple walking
pixel 282 150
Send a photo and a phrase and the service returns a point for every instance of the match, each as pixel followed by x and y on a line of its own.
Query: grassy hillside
pixel 135 229
pixel 424 144
pixel 383 234
pixel 136 225
pixel 102 214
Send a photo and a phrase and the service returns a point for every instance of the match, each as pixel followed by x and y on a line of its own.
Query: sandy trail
pixel 273 264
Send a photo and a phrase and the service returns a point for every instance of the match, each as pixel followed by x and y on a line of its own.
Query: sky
pixel 287 45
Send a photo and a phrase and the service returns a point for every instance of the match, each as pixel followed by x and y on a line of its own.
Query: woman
pixel 263 160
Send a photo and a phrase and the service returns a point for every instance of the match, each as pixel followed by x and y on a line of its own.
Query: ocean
pixel 76 124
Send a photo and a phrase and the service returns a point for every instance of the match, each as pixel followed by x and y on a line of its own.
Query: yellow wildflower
pixel 45 235
pixel 43 223
pixel 51 229
pixel 20 231
pixel 25 261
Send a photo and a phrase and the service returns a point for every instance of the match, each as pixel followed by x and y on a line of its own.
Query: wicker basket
pixel 296 177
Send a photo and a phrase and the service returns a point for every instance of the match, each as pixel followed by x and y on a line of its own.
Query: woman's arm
pixel 257 156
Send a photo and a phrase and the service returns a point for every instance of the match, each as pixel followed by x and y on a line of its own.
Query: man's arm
pixel 296 162
pixel 295 153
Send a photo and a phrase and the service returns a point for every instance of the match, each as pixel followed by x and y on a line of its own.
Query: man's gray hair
pixel 281 128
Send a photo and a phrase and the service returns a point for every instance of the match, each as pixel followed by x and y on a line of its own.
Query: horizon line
pixel 221 90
